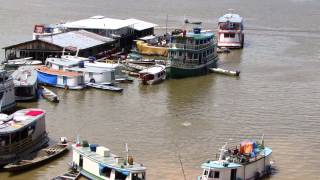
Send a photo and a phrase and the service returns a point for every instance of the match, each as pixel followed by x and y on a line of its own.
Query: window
pixel 138 176
pixel 229 35
pixel 180 53
pixel 205 172
pixel 216 174
pixel 211 174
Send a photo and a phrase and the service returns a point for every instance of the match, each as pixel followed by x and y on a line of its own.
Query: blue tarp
pixel 47 78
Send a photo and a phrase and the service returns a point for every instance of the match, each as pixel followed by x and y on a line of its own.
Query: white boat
pixel 7 98
pixel 60 78
pixel 105 86
pixel 55 73
pixel 21 133
pixel 97 162
pixel 14 63
pixel 25 83
pixel 230 31
pixel 153 74
pixel 251 161
pixel 43 30
pixel 49 95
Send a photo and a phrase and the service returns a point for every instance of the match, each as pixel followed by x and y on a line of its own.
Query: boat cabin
pixel 230 32
pixel 94 74
pixel 97 162
pixel 250 161
pixel 153 74
pixel 24 130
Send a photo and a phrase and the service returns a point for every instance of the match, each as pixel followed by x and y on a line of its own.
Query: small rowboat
pixel 49 95
pixel 40 157
pixel 70 175
pixel 105 86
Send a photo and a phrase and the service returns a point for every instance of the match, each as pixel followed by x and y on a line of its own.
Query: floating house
pixel 87 43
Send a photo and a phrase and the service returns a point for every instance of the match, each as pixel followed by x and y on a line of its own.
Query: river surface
pixel 277 94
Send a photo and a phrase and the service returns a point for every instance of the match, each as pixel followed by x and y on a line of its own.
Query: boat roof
pixel 101 22
pixel 220 165
pixel 202 35
pixel 103 65
pixel 24 76
pixel 108 161
pixel 153 69
pixel 74 58
pixel 44 69
pixel 19 120
pixel 89 69
pixel 80 39
pixel 140 25
pixel 62 62
pixel 236 18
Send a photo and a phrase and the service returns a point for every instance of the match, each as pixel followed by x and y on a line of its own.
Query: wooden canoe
pixel 70 175
pixel 42 156
pixel 49 95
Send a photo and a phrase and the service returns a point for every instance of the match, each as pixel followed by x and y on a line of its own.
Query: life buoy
pixel 92 80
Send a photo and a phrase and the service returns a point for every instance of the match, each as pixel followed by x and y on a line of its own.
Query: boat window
pixel 4 140
pixel 180 53
pixel 205 172
pixel 60 67
pixel 211 174
pixel 201 41
pixel 120 176
pixel 138 176
pixel 197 42
pixel 196 56
pixel 216 174
pixel 14 137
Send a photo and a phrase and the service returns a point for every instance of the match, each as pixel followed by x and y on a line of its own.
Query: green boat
pixel 191 54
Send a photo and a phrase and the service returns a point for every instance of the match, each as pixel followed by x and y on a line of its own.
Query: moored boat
pixel 25 83
pixel 250 161
pixel 60 78
pixel 191 53
pixel 153 74
pixel 97 162
pixel 105 86
pixel 7 98
pixel 70 175
pixel 230 31
pixel 21 133
pixel 49 95
pixel 15 63
pixel 38 158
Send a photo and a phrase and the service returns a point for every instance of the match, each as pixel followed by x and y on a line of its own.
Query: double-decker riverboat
pixel 230 32
pixel 191 53
pixel 21 133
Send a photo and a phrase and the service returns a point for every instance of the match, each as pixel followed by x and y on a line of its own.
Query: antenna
pixel 127 151
pixel 167 25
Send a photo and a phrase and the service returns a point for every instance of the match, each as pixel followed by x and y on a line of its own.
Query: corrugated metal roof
pixel 140 25
pixel 231 18
pixel 97 22
pixel 80 39
pixel 101 22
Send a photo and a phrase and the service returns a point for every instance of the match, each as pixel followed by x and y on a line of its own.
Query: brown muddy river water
pixel 277 94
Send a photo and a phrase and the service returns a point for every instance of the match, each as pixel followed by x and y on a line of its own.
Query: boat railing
pixel 21 145
pixel 189 46
pixel 16 147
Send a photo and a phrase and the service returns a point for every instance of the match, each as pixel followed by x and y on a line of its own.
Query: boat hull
pixel 180 72
pixel 38 144
pixel 14 168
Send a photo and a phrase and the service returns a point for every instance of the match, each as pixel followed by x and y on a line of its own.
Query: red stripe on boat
pixel 34 113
